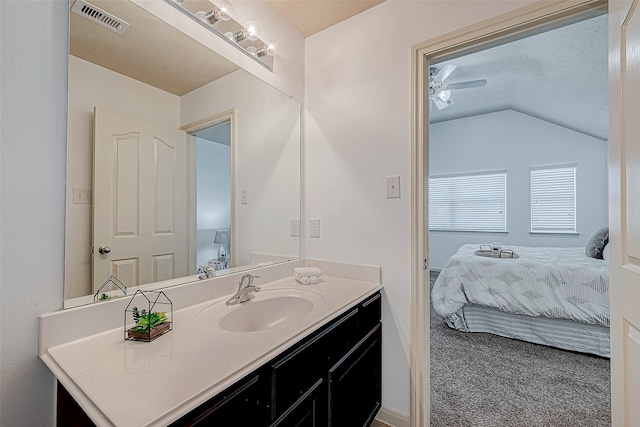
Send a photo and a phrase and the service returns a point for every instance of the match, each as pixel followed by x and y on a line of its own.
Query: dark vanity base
pixel 331 378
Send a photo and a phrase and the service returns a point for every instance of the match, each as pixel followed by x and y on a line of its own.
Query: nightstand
pixel 218 265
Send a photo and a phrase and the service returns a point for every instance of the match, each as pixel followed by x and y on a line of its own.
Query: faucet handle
pixel 249 279
pixel 208 272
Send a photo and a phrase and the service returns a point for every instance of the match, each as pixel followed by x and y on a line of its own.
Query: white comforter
pixel 553 282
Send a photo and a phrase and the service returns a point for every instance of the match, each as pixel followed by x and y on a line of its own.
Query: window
pixel 553 200
pixel 468 202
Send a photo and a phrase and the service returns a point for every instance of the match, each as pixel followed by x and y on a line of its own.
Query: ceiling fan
pixel 439 92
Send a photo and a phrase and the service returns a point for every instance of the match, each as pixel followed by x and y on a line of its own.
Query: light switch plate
pixel 393 187
pixel 81 196
pixel 244 196
pixel 314 227
pixel 294 225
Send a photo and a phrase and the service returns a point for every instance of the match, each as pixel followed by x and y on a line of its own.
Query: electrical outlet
pixel 393 187
pixel 314 227
pixel 81 196
pixel 244 196
pixel 294 225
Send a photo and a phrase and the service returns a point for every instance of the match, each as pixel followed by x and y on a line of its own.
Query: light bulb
pixel 252 30
pixel 226 8
pixel 268 49
pixel 271 47
pixel 444 95
pixel 222 11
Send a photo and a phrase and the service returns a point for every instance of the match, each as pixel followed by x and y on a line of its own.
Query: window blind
pixel 469 202
pixel 553 200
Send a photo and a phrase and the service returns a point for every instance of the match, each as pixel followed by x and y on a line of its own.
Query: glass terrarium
pixel 148 315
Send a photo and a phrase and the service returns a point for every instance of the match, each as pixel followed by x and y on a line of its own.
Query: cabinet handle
pixel 376 298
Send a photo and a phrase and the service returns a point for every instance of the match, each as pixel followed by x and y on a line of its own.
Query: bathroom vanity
pixel 294 355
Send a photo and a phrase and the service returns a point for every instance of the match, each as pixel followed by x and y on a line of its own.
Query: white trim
pixel 529 18
pixel 393 418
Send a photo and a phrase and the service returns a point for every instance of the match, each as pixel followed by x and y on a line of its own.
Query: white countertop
pixel 130 383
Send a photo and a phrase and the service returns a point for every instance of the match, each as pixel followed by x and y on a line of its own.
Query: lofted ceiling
pixel 560 76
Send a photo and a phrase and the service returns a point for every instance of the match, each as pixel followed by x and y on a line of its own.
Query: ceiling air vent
pixel 99 16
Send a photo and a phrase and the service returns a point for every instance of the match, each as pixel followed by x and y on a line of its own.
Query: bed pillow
pixel 605 253
pixel 597 243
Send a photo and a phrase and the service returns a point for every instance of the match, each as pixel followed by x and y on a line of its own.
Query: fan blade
pixel 443 73
pixel 466 85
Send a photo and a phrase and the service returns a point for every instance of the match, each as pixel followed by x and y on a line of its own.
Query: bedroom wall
pixel 358 131
pixel 516 142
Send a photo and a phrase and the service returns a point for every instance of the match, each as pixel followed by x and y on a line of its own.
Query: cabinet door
pixel 243 405
pixel 307 411
pixel 299 369
pixel 355 393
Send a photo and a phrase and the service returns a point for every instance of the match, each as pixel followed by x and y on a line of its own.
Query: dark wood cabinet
pixel 331 378
pixel 355 392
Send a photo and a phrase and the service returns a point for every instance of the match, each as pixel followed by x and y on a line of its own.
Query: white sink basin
pixel 271 308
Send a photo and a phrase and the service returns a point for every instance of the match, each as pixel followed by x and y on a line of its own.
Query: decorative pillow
pixel 597 243
pixel 605 253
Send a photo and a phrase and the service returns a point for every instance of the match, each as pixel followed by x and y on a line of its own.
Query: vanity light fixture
pixel 219 20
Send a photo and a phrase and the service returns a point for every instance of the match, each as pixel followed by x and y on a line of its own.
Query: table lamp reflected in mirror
pixel 221 237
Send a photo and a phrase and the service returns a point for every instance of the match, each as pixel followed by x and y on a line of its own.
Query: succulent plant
pixel 145 322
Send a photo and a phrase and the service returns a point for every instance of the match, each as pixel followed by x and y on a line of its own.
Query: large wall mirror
pixel 176 159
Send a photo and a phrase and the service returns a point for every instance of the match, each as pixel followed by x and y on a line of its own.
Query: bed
pixel 552 296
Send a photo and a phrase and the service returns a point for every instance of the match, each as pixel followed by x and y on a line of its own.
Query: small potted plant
pixel 148 323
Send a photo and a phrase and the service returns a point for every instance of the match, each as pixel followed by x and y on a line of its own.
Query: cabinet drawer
pixel 370 313
pixel 294 374
pixel 241 404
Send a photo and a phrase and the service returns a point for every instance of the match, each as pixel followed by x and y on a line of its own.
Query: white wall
pixel 213 195
pixel 517 142
pixel 358 131
pixel 266 156
pixel 33 86
pixel 93 86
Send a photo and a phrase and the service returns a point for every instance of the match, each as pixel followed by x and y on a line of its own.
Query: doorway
pixel 213 200
pixel 528 20
pixel 520 110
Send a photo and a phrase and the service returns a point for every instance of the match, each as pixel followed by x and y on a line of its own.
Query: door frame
pixel 216 119
pixel 530 19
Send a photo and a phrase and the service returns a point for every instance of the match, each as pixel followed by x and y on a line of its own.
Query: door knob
pixel 104 249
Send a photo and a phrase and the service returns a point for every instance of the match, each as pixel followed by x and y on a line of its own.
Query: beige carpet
pixel 483 380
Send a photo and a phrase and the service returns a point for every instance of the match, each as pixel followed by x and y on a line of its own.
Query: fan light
pixel 444 95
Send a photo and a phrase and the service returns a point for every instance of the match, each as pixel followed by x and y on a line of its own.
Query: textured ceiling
pixel 560 76
pixel 312 16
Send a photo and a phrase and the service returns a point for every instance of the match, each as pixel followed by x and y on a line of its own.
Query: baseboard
pixel 393 418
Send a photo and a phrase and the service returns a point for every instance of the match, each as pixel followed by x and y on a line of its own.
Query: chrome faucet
pixel 207 272
pixel 246 290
